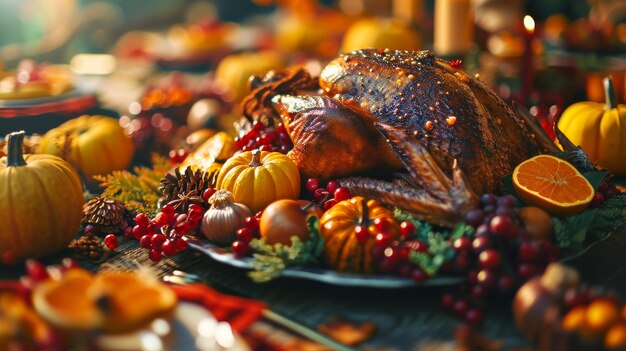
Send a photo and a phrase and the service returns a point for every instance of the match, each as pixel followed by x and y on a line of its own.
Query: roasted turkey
pixel 380 109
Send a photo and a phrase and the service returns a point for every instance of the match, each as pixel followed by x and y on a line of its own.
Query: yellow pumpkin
pixel 234 71
pixel 342 250
pixel 258 178
pixel 41 198
pixel 600 129
pixel 211 154
pixel 98 144
pixel 391 33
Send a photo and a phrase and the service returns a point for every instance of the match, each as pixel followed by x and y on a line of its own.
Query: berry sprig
pixel 500 234
pixel 165 234
pixel 327 196
pixel 178 156
pixel 241 245
pixel 606 191
pixel 265 139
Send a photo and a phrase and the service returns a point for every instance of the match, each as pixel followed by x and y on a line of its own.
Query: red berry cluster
pixel 241 245
pixel 265 139
pixel 36 272
pixel 499 235
pixel 178 156
pixel 605 192
pixel 149 231
pixel 392 256
pixel 328 196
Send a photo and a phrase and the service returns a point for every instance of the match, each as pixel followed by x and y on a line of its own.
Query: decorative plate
pixel 323 275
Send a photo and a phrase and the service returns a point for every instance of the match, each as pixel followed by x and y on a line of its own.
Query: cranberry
pixel 361 233
pixel 8 258
pixel 474 217
pixel 181 243
pixel 244 234
pixel 404 253
pixel 506 283
pixel 266 147
pixel 527 270
pixel 378 252
pixel 161 219
pixel 486 278
pixel 488 199
pixel 383 239
pixel 332 186
pixel 481 243
pixel 506 201
pixel 195 217
pixel 111 241
pixel 195 208
pixel 157 240
pixel 382 225
pixel 329 204
pixel 36 271
pixel 573 298
pixel 419 275
pixel 241 248
pixel 417 246
pixel 597 200
pixel 169 248
pixel 462 261
pixel 501 224
pixel 482 230
pixel 128 233
pixel 460 307
pixel 142 219
pixel 89 228
pixel 474 316
pixel 69 263
pixel 472 277
pixel 138 231
pixel 146 241
pixel 490 259
pixel 447 301
pixel 206 195
pixel 320 195
pixel 462 244
pixel 407 229
pixel 342 194
pixel 312 184
pixel 529 251
pixel 155 255
pixel 478 291
pixel 168 210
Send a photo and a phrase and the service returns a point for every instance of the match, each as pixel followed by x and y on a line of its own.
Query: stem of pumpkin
pixel 609 93
pixel 15 155
pixel 364 213
pixel 256 158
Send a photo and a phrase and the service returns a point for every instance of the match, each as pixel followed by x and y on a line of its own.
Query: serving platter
pixel 322 275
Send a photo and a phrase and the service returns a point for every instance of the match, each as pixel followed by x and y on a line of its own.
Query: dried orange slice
pixel 112 301
pixel 552 184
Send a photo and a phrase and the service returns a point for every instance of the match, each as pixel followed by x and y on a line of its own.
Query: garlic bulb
pixel 221 221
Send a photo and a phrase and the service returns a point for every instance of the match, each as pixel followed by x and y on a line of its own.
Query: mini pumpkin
pixel 258 178
pixel 97 144
pixel 342 250
pixel 600 129
pixel 41 198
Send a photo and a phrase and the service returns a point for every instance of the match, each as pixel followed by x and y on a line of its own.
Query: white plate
pixel 324 275
pixel 191 328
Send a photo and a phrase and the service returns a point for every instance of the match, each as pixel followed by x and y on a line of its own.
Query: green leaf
pixel 595 177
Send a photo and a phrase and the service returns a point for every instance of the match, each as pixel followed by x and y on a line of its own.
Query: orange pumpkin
pixel 342 250
pixel 258 178
pixel 98 144
pixel 41 198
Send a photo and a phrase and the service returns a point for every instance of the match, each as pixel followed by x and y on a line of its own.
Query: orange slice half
pixel 552 184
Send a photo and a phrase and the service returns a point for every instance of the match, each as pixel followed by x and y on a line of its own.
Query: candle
pixel 454 27
pixel 527 71
pixel 409 10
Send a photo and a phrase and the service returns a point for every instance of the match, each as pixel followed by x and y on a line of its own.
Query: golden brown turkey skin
pixel 454 115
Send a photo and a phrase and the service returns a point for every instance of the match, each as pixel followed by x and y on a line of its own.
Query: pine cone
pixel 175 186
pixel 89 247
pixel 107 216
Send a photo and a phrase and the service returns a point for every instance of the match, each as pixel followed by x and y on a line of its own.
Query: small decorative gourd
pixel 221 221
pixel 41 202
pixel 342 249
pixel 600 129
pixel 258 178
